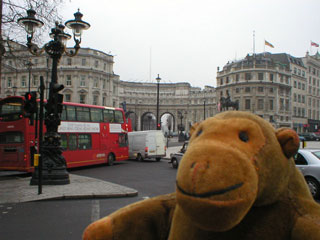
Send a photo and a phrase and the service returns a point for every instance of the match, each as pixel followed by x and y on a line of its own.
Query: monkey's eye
pixel 199 132
pixel 243 136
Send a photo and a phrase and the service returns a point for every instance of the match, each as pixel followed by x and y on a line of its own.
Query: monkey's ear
pixel 289 141
pixel 193 128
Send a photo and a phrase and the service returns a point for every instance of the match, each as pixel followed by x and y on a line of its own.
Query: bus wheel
pixel 110 159
pixel 158 159
pixel 139 157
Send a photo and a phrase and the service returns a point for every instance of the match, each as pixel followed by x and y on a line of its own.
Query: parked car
pixel 310 136
pixel 308 162
pixel 175 158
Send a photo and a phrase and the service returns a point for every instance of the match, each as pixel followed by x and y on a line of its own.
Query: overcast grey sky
pixel 186 40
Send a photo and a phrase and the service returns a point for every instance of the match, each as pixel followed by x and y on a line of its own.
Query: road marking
pixel 95 210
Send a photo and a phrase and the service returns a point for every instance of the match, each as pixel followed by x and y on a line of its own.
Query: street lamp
pixel 181 137
pixel 158 86
pixel 204 109
pixel 29 65
pixel 53 163
pixel 14 88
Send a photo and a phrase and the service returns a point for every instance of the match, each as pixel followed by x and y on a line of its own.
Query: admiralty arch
pixel 89 78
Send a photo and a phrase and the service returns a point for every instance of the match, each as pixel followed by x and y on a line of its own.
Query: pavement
pixel 16 188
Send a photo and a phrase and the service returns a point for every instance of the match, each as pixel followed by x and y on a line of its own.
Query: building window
pixel 247 104
pixel 96 63
pixel 9 82
pixel 237 77
pixel 247 89
pixel 227 80
pixel 103 101
pixel 68 98
pixel 35 80
pixel 82 81
pixel 221 81
pixel 247 76
pixel 237 90
pixel 104 66
pixel 83 62
pixel 287 104
pixel 260 104
pixel 95 100
pixel 294 97
pixel 68 82
pixel 260 76
pixel 23 81
pixel 261 89
pixel 271 104
pixel 271 76
pixel 69 61
pixel 82 98
pixel 281 104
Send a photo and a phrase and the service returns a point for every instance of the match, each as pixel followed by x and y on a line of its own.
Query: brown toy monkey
pixel 237 180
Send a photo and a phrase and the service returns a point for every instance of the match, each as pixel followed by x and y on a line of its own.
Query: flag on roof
pixel 268 44
pixel 314 44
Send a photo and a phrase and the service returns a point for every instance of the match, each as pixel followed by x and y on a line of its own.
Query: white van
pixel 147 145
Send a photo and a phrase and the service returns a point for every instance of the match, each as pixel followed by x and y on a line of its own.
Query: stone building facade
pixel 89 78
pixel 281 88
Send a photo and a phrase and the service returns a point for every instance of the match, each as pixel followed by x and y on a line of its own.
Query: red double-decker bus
pixel 90 135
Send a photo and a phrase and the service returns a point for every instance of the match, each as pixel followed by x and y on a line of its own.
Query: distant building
pixel 277 87
pixel 280 88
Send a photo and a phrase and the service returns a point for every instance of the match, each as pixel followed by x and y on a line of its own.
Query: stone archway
pixel 168 123
pixel 148 121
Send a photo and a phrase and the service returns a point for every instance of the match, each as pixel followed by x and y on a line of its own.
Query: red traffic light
pixel 28 96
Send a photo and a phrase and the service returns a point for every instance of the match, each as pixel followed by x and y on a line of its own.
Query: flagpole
pixel 254 47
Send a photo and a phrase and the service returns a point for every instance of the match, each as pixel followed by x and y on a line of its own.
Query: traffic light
pixel 57 97
pixel 30 106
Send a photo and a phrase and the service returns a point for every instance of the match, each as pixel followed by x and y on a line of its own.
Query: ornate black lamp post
pixel 53 163
pixel 181 137
pixel 14 88
pixel 204 109
pixel 158 86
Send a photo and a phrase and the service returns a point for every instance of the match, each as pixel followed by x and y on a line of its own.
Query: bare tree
pixel 10 30
pixel 47 12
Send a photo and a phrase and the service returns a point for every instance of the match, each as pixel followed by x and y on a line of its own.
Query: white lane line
pixel 95 210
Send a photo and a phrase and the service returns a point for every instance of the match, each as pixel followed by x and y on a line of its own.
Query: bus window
pixel 11 110
pixel 64 141
pixel 83 114
pixel 108 115
pixel 71 113
pixel 118 117
pixel 72 142
pixel 64 113
pixel 11 137
pixel 96 114
pixel 84 141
